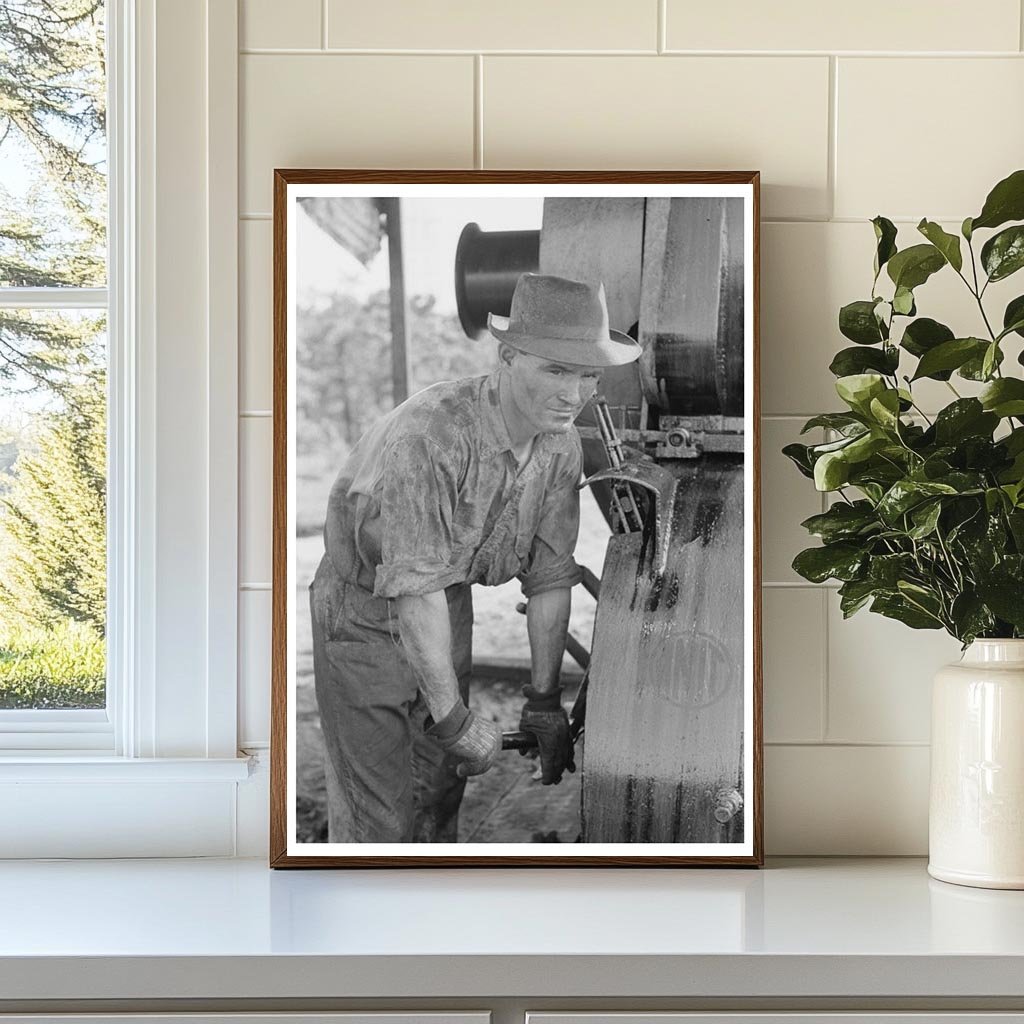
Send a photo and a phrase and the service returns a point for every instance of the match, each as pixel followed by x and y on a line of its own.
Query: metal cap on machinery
pixel 564 320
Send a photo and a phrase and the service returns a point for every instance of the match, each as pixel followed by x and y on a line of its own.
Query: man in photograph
pixel 469 481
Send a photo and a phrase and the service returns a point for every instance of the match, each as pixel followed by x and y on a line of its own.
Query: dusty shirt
pixel 431 496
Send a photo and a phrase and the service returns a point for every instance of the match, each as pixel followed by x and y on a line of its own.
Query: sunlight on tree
pixel 52 366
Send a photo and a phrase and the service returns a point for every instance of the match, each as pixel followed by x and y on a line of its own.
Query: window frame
pixel 93 729
pixel 173 469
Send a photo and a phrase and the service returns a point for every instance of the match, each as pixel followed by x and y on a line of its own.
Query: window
pixel 53 371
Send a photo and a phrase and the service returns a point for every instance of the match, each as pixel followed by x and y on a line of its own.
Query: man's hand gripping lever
pixel 470 739
pixel 544 717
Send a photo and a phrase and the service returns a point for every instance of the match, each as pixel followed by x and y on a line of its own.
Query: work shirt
pixel 432 496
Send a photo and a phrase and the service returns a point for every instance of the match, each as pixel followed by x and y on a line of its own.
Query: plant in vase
pixel 927 521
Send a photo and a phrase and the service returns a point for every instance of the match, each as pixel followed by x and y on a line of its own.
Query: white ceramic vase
pixel 976 812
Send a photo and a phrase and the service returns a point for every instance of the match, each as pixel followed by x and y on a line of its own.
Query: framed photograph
pixel 516 564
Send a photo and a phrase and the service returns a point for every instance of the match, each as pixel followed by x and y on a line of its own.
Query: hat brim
pixel 617 349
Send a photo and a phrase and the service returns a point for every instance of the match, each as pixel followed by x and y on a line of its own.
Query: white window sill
pixel 78 767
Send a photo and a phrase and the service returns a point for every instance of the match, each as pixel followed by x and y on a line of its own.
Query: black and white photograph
pixel 516 562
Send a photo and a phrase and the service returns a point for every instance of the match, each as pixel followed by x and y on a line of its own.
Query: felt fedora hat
pixel 563 320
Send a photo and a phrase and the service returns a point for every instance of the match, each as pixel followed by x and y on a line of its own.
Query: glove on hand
pixel 473 740
pixel 544 716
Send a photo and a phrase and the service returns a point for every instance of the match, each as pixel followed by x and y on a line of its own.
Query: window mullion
pixel 53 298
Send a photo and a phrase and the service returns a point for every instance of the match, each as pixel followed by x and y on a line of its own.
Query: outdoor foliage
pixel 52 541
pixel 344 366
pixel 61 667
pixel 52 383
pixel 928 522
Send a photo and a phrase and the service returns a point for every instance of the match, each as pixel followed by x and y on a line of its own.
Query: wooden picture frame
pixel 692 232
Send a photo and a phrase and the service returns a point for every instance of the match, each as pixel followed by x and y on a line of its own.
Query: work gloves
pixel 544 716
pixel 467 737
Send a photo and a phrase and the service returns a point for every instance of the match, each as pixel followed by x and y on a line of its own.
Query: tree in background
pixel 52 116
pixel 344 365
pixel 52 234
pixel 52 544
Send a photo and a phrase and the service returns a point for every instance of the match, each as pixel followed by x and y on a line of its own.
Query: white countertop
pixel 234 929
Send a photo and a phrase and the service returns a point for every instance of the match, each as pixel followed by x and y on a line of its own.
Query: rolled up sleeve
pixel 418 496
pixel 551 564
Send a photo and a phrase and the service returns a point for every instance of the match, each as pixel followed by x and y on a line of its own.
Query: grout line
pixel 255 586
pixel 824 714
pixel 855 744
pixel 799 584
pixel 340 51
pixel 663 26
pixel 323 24
pixel 1020 19
pixel 255 216
pixel 478 111
pixel 259 51
pixel 833 134
pixel 254 414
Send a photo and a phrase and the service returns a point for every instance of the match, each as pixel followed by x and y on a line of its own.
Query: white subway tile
pixel 809 271
pixel 255 511
pixel 470 25
pixel 351 111
pixel 879 677
pixel 254 627
pixel 793 631
pixel 679 113
pixel 926 137
pixel 787 498
pixel 255 323
pixel 913 25
pixel 846 801
pixel 269 24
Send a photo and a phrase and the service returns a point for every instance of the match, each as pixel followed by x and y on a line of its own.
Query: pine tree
pixel 53 521
pixel 53 123
pixel 53 234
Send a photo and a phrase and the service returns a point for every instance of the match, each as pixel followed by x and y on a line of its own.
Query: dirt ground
pixel 507 804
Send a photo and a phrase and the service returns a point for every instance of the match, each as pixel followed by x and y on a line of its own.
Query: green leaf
pixel 1006 599
pixel 850 361
pixel 965 229
pixel 974 368
pixel 990 360
pixel 947 244
pixel 833 420
pixel 906 494
pixel 885 409
pixel 885 236
pixel 966 417
pixel 887 570
pixel 1003 254
pixel 925 518
pixel 858 389
pixel 912 267
pixel 840 561
pixel 1005 202
pixel 925 334
pixel 843 521
pixel 799 455
pixel 903 302
pixel 1013 317
pixel 899 608
pixel 970 617
pixel 854 595
pixel 950 355
pixel 831 471
pixel 1004 397
pixel 857 321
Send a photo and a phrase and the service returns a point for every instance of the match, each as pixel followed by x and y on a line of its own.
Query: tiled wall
pixel 906 109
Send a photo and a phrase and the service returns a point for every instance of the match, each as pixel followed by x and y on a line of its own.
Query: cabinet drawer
pixel 360 1017
pixel 933 1017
